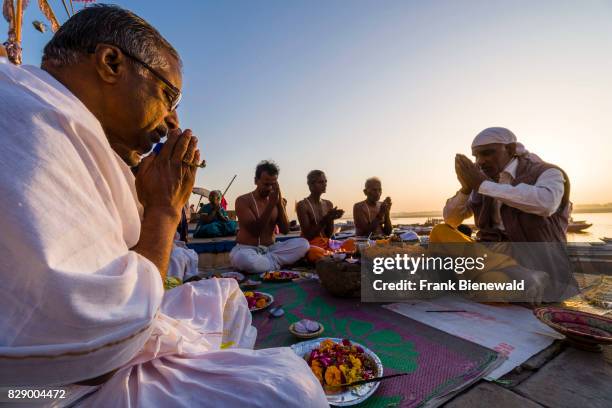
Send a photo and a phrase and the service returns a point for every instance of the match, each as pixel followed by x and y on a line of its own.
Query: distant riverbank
pixel 578 209
pixel 602 225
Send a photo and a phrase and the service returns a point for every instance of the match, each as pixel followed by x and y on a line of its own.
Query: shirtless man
pixel 372 216
pixel 317 217
pixel 315 214
pixel 259 212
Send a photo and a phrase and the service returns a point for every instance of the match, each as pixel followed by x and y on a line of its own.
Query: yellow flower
pixel 249 294
pixel 172 282
pixel 355 362
pixel 351 374
pixel 344 369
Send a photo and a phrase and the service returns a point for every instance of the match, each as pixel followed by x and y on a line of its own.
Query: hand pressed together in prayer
pixel 165 180
pixel 385 207
pixel 469 174
pixel 276 196
pixel 334 214
pixel 465 188
pixel 164 183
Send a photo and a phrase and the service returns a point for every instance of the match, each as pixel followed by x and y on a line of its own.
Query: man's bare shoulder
pixel 243 197
pixel 300 206
pixel 328 203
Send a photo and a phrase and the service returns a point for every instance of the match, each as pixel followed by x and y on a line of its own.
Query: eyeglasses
pixel 173 94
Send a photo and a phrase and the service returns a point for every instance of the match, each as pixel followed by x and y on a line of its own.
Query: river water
pixel 602 226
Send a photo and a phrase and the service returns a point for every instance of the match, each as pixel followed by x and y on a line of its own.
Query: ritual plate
pixel 352 395
pixel 584 330
pixel 250 284
pixel 233 275
pixel 279 276
pixel 256 295
pixel 344 235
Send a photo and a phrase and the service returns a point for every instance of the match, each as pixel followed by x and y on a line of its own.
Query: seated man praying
pixel 371 216
pixel 83 306
pixel 214 221
pixel 317 216
pixel 512 194
pixel 259 213
pixel 515 197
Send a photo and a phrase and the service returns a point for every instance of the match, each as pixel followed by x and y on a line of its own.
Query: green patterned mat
pixel 440 364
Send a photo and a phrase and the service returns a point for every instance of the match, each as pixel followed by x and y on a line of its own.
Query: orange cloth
pixel 319 248
pixel 443 234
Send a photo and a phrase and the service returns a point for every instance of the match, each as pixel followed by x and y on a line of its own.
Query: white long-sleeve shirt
pixel 543 198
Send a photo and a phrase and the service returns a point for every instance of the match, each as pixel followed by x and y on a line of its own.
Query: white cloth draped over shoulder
pixel 77 303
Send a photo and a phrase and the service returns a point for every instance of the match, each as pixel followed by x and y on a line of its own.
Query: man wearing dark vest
pixel 513 195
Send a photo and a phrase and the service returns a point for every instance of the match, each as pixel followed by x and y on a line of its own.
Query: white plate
pixel 296 275
pixel 354 395
pixel 235 275
pixel 270 297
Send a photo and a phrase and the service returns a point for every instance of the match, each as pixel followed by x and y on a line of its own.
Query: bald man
pixel 317 216
pixel 371 216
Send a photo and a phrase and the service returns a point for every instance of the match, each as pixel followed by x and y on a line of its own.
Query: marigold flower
pixel 326 344
pixel 333 376
pixel 317 370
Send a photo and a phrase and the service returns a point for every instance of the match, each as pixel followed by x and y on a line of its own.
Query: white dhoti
pixel 183 262
pixel 78 303
pixel 258 259
pixel 182 363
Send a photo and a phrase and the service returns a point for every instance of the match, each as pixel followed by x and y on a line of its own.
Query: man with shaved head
pixel 317 216
pixel 371 216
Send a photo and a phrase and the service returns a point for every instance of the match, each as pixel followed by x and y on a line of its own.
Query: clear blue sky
pixel 387 88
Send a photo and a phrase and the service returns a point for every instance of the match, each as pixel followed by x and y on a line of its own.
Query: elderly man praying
pixel 371 216
pixel 82 303
pixel 513 195
pixel 317 216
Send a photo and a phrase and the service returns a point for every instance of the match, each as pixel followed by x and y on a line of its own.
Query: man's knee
pixel 302 246
pixel 446 233
pixel 315 253
pixel 250 262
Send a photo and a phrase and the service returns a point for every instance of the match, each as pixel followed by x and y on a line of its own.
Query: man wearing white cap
pixel 513 194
